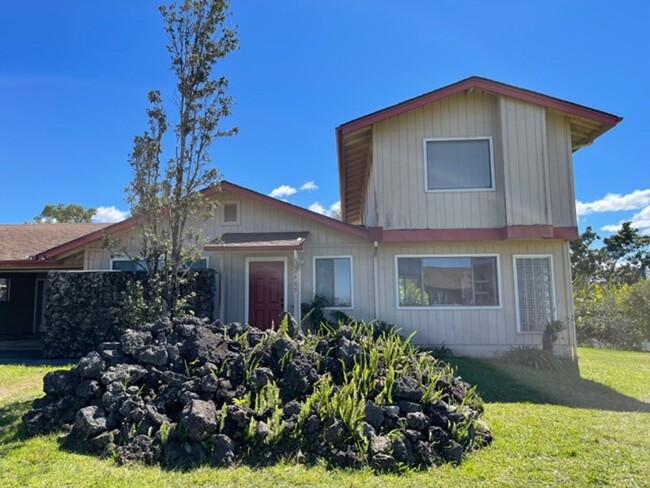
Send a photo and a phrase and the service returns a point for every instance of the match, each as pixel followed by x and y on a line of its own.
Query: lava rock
pixel 417 421
pixel 59 383
pixel 90 421
pixel 374 414
pixel 132 341
pixel 88 389
pixel 199 419
pixel 407 388
pixel 156 355
pixel 90 366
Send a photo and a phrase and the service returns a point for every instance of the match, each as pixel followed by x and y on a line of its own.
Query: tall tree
pixel 623 258
pixel 65 214
pixel 166 197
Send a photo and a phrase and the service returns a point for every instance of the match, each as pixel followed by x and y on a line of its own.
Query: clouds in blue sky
pixel 614 202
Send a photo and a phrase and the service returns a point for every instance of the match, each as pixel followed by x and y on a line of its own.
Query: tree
pixel 624 257
pixel 166 197
pixel 65 213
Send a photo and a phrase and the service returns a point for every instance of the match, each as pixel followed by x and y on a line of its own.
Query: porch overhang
pixel 258 241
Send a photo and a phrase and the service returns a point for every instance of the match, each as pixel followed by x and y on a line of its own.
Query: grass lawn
pixel 549 429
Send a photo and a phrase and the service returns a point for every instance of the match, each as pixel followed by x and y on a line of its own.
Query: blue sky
pixel 74 78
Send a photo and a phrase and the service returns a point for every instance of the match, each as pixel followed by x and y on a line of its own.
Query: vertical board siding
pixel 401 201
pixel 485 331
pixel 523 127
pixel 560 170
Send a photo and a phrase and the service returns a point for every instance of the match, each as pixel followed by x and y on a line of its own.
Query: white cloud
pixel 614 202
pixel 309 185
pixel 333 211
pixel 283 191
pixel 109 215
pixel 317 207
pixel 640 220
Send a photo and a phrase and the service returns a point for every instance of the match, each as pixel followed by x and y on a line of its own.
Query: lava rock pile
pixel 187 392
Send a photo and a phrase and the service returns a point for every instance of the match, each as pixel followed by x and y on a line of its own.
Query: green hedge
pixel 85 308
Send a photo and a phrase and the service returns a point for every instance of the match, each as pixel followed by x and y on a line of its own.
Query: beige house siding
pixel 525 160
pixel 483 332
pixel 532 167
pixel 396 194
pixel 560 163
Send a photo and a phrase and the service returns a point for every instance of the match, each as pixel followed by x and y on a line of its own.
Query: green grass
pixel 549 428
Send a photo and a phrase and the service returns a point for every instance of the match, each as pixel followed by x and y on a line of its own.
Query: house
pixel 457 208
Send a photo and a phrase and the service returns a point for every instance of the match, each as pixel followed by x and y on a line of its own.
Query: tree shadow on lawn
pixel 11 429
pixel 500 382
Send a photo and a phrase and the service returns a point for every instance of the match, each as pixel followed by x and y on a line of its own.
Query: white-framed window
pixel 333 281
pixel 448 281
pixel 458 164
pixel 127 264
pixel 5 284
pixel 230 212
pixel 534 291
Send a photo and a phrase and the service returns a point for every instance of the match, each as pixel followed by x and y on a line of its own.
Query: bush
pixel 532 357
pixel 613 315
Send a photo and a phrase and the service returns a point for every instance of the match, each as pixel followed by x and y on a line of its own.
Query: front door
pixel 265 292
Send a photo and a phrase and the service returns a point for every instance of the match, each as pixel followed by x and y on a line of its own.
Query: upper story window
pixel 333 281
pixel 4 289
pixel 447 281
pixel 459 164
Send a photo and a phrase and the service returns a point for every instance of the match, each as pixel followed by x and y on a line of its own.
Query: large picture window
pixel 4 289
pixel 333 281
pixel 535 292
pixel 447 281
pixel 458 164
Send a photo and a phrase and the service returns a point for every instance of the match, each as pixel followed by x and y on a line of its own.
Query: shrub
pixel 532 357
pixel 612 314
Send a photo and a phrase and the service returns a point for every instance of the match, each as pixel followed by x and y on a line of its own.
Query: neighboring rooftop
pixel 20 241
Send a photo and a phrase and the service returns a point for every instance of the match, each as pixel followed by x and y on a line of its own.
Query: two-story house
pixel 457 208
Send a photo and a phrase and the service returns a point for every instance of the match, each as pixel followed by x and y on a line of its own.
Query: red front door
pixel 265 292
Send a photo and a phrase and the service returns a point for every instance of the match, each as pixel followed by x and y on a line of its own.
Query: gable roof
pixel 18 242
pixel 354 138
pixel 66 247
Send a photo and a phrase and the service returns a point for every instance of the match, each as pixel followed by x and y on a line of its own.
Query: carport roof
pixel 19 242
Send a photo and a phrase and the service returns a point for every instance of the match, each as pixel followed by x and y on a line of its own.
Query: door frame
pixel 249 260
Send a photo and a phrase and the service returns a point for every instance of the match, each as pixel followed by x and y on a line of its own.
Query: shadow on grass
pixel 10 428
pixel 500 382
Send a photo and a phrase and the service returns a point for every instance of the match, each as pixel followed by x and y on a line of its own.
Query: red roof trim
pixel 225 185
pixel 87 239
pixel 484 234
pixel 25 263
pixel 605 118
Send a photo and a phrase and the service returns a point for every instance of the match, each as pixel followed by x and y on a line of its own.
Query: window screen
pixel 534 279
pixel 333 281
pixel 457 165
pixel 447 281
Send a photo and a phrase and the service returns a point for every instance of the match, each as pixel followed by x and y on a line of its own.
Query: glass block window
pixel 535 297
pixel 4 289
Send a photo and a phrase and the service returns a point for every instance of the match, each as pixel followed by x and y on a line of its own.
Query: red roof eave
pixel 488 85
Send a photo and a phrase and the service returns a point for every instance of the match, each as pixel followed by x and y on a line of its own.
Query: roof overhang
pixel 258 241
pixel 354 138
